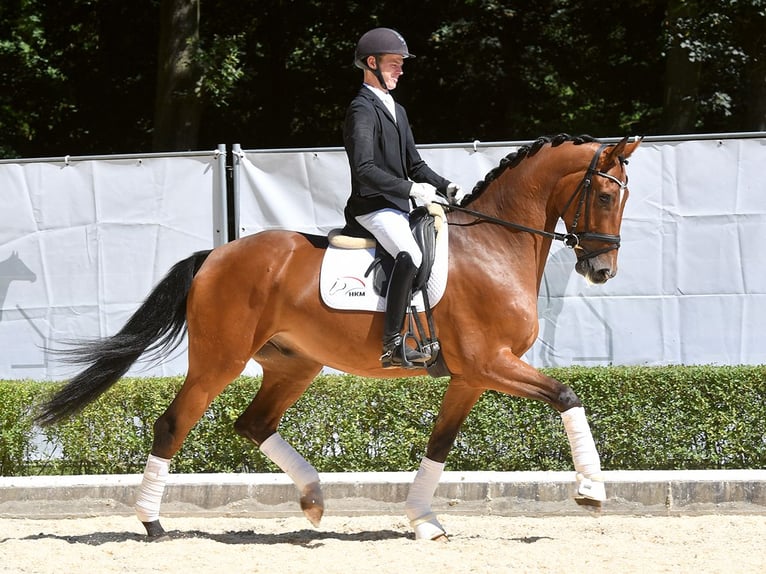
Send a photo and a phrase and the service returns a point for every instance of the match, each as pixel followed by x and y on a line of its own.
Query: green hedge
pixel 642 418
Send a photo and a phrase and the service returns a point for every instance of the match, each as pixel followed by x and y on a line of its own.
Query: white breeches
pixel 391 228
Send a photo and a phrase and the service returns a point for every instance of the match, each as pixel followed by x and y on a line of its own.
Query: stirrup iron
pixel 396 353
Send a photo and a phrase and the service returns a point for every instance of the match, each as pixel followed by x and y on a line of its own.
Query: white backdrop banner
pixel 82 243
pixel 691 287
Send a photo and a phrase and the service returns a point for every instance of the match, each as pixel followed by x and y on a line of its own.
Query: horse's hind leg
pixel 170 430
pixel 285 378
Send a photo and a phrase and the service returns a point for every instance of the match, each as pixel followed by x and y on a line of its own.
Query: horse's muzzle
pixel 597 270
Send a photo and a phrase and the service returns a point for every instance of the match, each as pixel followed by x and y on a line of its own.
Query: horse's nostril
pixel 606 274
pixel 601 276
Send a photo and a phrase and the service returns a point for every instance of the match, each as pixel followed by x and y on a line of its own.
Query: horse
pixel 258 297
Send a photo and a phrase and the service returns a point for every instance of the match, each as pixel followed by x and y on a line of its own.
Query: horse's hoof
pixel 312 503
pixel 591 488
pixel 593 506
pixel 154 530
pixel 428 528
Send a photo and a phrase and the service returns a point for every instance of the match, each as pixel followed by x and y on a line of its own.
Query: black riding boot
pixel 397 300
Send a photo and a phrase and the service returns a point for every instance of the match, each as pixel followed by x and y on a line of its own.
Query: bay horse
pixel 258 297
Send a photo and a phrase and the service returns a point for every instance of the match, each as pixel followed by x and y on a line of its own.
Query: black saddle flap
pixel 423 228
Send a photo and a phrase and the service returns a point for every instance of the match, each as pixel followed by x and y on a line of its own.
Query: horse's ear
pixel 621 151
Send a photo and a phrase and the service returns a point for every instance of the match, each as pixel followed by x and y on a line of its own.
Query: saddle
pixel 425 223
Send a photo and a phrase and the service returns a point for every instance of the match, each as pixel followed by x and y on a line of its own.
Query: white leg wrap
pixel 418 505
pixel 288 459
pixel 152 487
pixel 586 460
pixel 584 454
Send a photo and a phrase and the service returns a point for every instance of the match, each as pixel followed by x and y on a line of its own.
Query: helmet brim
pixel 359 61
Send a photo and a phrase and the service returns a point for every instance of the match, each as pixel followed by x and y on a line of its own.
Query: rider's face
pixel 391 67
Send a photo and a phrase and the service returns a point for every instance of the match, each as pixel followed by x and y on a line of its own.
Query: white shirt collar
pixel 386 98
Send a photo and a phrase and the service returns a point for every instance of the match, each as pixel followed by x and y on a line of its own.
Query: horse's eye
pixel 604 199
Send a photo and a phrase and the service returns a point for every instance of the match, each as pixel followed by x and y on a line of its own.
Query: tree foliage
pixel 81 76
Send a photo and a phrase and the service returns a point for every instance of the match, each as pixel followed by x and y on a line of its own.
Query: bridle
pixel 582 194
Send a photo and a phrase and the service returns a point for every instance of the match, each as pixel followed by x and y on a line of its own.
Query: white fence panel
pixel 83 241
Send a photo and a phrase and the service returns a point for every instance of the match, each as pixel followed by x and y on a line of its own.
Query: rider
pixel 386 173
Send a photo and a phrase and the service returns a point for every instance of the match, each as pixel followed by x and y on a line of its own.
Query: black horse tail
pixel 157 327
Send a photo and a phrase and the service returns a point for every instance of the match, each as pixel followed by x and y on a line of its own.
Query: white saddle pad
pixel 342 283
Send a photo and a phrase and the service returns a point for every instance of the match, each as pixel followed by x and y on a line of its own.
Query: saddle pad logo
pixel 348 286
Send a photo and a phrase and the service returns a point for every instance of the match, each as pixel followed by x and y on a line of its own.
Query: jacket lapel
pixel 398 124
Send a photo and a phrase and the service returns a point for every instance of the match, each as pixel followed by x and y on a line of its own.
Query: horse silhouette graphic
pixel 13 269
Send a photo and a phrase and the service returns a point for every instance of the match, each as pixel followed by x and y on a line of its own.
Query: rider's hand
pixel 456 194
pixel 425 192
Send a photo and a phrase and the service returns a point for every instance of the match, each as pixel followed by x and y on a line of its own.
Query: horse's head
pixel 593 212
pixel 14 269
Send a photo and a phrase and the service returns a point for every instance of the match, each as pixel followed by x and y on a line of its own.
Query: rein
pixel 571 239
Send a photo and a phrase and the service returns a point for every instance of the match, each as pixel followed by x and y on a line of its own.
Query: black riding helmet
pixel 376 42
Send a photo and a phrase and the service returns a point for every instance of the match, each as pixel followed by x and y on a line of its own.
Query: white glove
pixel 456 194
pixel 425 192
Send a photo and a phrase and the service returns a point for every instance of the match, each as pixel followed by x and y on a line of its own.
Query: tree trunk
pixel 754 38
pixel 177 108
pixel 682 76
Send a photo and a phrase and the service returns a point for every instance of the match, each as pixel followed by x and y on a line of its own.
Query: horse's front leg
pixel 509 374
pixel 456 404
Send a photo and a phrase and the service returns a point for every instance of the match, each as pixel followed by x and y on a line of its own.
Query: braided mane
pixel 528 150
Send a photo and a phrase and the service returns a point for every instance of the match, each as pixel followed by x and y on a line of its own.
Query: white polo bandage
pixel 152 487
pixel 418 505
pixel 584 454
pixel 288 459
